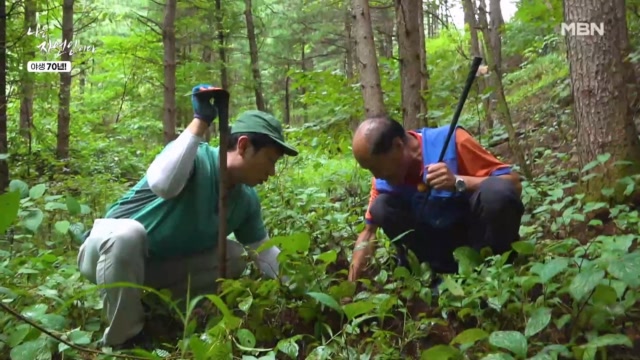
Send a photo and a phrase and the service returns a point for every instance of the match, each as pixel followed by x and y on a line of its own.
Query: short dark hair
pixel 257 140
pixel 382 138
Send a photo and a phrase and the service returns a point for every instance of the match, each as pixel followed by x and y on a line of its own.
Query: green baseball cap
pixel 256 121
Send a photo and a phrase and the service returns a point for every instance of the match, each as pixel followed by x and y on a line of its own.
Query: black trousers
pixel 493 220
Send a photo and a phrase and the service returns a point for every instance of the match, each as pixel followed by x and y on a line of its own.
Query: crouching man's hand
pixel 267 260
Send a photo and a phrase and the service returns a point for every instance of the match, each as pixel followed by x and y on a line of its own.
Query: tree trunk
pixel 496 23
pixel 255 65
pixel 349 58
pixel 64 96
pixel 498 88
pixel 27 83
pixel 169 43
pixel 384 23
pixel 367 60
pixel 4 143
pixel 601 101
pixel 470 19
pixel 408 25
pixel 424 71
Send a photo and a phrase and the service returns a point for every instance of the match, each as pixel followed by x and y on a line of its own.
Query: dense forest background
pixel 562 107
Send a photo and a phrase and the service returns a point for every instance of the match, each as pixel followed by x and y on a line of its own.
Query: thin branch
pixel 19 316
pixel 148 23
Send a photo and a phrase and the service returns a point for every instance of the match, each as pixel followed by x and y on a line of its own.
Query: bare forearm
pixel 364 247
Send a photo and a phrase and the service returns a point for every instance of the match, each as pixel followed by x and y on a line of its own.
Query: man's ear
pixel 243 145
pixel 398 144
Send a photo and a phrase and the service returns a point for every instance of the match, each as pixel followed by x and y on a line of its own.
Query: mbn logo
pixel 582 29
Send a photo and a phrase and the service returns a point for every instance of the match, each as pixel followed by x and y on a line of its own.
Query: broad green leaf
pixel 80 337
pixel 552 268
pixel 245 304
pixel 584 282
pixel 32 350
pixel 605 295
pixel 602 158
pixel 327 257
pixel 55 206
pixel 33 220
pixel 467 258
pixel 440 352
pixel 539 319
pixel 18 334
pixel 510 340
pixel 470 336
pixel 9 207
pixel 524 247
pixel 498 356
pixel 357 308
pixel 37 191
pixel 20 186
pixel 289 347
pixel 299 242
pixel 326 300
pixel 453 286
pixel 62 226
pixel 246 338
pixel 73 206
pixel 609 340
pixel 627 269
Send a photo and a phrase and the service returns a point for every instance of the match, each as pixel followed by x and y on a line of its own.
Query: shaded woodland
pixel 562 109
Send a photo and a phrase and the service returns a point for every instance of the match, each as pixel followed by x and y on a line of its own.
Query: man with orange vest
pixel 474 199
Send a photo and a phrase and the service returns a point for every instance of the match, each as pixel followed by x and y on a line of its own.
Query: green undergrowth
pixel 535 77
pixel 571 293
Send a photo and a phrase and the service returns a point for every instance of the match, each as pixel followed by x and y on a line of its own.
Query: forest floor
pixel 572 292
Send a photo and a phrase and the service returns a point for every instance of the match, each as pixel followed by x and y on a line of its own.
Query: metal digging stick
pixel 222 101
pixel 475 65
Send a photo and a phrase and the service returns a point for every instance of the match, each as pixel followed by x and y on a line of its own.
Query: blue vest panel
pixel 443 208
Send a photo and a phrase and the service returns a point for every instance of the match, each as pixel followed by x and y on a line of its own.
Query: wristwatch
pixel 461 186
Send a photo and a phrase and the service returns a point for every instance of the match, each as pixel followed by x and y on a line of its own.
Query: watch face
pixel 460 185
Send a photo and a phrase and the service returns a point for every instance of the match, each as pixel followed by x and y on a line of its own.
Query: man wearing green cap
pixel 163 232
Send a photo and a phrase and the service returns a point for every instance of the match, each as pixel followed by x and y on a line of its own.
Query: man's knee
pixel 497 197
pixel 122 240
pixel 129 240
pixel 387 209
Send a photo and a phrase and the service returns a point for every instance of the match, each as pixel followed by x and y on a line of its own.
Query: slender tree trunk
pixel 470 19
pixel 4 143
pixel 64 96
pixel 496 23
pixel 27 84
pixel 367 60
pixel 169 42
pixel 601 100
pixel 496 82
pixel 349 58
pixel 408 25
pixel 255 64
pixel 424 71
pixel 224 76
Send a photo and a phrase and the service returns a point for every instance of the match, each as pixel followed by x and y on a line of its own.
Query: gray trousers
pixel 116 251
